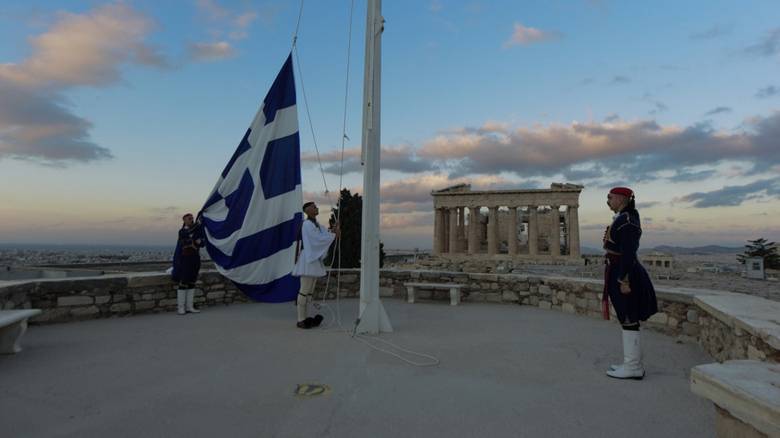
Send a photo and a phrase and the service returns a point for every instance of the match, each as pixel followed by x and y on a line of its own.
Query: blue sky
pixel 116 117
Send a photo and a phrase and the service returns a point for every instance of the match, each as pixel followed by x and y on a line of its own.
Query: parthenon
pixel 519 223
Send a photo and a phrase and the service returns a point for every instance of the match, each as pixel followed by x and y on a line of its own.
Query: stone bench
pixel 746 394
pixel 453 288
pixel 13 324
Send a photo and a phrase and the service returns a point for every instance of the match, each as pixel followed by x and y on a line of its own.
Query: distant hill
pixel 696 250
pixel 588 250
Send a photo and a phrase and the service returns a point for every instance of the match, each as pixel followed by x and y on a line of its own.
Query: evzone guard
pixel 312 247
pixel 626 282
pixel 186 263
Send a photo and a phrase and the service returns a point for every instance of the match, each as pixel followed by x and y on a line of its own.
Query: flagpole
pixel 373 318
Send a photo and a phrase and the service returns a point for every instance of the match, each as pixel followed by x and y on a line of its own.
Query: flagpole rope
pixel 311 125
pixel 297 25
pixel 336 315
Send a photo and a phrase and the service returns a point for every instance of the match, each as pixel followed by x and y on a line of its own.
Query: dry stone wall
pixel 119 295
pixel 115 295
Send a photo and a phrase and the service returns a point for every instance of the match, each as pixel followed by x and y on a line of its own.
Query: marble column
pixel 473 229
pixel 512 233
pixel 574 231
pixel 533 230
pixel 555 231
pixel 445 241
pixel 461 229
pixel 453 222
pixel 491 231
pixel 438 228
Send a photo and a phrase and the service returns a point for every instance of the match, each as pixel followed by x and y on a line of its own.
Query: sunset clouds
pixel 87 50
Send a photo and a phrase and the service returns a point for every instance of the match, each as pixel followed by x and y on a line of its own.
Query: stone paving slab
pixel 747 389
pixel 506 371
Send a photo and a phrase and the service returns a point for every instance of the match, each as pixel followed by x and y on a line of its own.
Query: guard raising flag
pixel 252 216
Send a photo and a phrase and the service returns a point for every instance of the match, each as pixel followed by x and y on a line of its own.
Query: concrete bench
pixel 746 394
pixel 453 288
pixel 13 324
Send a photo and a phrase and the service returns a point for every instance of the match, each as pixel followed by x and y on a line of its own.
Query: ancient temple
pixel 535 223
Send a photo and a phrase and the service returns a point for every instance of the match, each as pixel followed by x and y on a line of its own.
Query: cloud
pixel 635 150
pixel 684 175
pixel 36 119
pixel 658 107
pixel 715 31
pixel 400 158
pixel 584 174
pixel 324 201
pixel 241 24
pixel 612 118
pixel 408 202
pixel 525 36
pixel 405 207
pixel 418 188
pixel 768 46
pixel 37 125
pixel 718 110
pixel 735 195
pixel 223 25
pixel 641 205
pixel 620 79
pixel 211 51
pixel 406 220
pixel 435 6
pixel 767 91
pixel 212 9
pixel 168 213
pixel 86 49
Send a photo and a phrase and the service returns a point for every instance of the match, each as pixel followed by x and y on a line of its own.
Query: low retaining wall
pixel 722 322
pixel 111 295
pixel 727 325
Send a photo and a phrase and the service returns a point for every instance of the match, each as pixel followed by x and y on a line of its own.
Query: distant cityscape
pixel 40 255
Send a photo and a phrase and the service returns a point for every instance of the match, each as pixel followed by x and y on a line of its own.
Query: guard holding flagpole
pixel 311 249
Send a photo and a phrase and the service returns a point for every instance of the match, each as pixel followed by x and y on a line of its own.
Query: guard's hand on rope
pixel 337 230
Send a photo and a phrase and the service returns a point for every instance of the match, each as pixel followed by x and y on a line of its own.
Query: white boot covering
pixel 302 303
pixel 181 296
pixel 304 294
pixel 632 358
pixel 191 301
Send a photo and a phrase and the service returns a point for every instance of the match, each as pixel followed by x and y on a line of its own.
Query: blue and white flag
pixel 253 216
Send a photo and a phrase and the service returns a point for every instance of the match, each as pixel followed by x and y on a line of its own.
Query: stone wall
pixel 679 315
pixel 724 343
pixel 576 296
pixel 113 295
pixel 117 295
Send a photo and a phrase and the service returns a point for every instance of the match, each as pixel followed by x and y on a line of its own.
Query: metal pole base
pixel 373 318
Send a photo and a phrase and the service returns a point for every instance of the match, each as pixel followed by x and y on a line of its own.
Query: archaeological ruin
pixel 526 223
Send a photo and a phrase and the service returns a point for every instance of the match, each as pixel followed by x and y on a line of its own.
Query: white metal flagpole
pixel 373 318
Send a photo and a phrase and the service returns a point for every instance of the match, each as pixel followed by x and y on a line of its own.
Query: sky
pixel 117 117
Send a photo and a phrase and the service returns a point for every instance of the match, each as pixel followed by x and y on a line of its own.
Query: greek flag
pixel 253 215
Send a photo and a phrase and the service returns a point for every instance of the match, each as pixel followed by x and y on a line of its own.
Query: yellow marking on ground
pixel 311 389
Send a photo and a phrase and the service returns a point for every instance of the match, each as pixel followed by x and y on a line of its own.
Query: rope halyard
pixel 336 315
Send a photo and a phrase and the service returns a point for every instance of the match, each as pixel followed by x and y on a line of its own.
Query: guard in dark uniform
pixel 186 263
pixel 626 282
